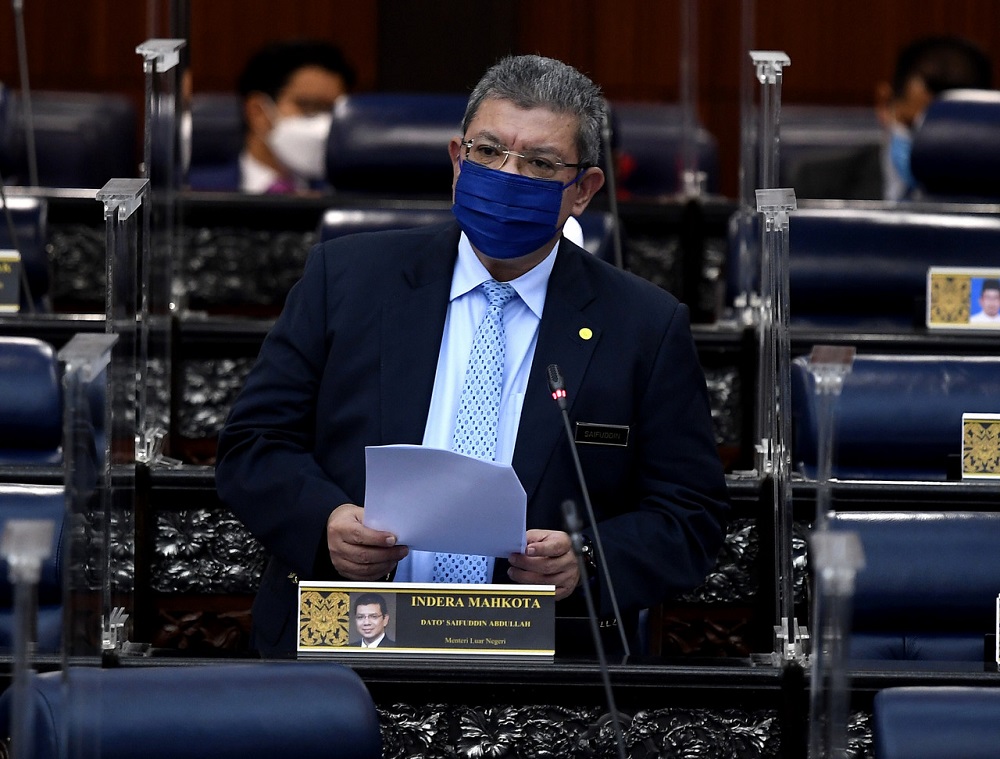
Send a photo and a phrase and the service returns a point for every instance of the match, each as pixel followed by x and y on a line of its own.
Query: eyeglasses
pixel 368 617
pixel 533 164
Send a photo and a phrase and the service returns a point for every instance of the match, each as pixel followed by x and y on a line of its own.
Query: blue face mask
pixel 900 146
pixel 506 215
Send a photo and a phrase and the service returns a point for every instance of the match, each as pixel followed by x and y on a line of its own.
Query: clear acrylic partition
pixel 88 565
pixel 775 397
pixel 828 365
pixel 692 181
pixel 747 302
pixel 768 66
pixel 87 417
pixel 836 557
pixel 24 545
pixel 126 216
pixel 161 290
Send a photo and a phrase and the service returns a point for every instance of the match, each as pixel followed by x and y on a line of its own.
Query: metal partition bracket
pixel 122 195
pixel 768 64
pixel 160 54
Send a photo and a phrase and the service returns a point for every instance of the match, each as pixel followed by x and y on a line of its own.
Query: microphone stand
pixel 558 387
pixel 573 525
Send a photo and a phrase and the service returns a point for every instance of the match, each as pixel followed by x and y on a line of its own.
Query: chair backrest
pixel 897 417
pixel 237 711
pixel 867 268
pixel 394 142
pixel 929 585
pixel 648 144
pixel 597 227
pixel 831 152
pixel 31 408
pixel 216 141
pixel 930 722
pixel 956 148
pixel 45 502
pixel 82 139
pixel 30 221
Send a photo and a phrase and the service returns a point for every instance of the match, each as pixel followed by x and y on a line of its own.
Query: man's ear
pixel 454 152
pixel 257 113
pixel 588 185
pixel 883 103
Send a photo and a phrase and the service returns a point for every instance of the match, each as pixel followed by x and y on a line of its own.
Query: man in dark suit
pixel 372 347
pixel 287 91
pixel 371 619
pixel 924 69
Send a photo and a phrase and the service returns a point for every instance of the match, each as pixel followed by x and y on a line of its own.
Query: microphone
pixel 573 527
pixel 557 386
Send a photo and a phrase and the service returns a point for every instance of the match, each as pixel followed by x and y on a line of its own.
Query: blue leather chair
pixel 647 139
pixel 956 148
pixel 831 152
pixel 222 711
pixel 929 585
pixel 82 139
pixel 47 502
pixel 930 722
pixel 31 404
pixel 898 417
pixel 394 143
pixel 852 268
pixel 30 218
pixel 216 141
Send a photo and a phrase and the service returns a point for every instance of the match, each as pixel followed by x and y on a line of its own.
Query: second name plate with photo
pixel 963 298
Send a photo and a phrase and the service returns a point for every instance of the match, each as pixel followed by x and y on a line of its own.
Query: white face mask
pixel 299 142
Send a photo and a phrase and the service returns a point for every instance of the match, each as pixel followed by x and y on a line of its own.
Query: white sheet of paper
pixel 436 500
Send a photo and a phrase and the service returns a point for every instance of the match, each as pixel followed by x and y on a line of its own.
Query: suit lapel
pixel 412 326
pixel 566 337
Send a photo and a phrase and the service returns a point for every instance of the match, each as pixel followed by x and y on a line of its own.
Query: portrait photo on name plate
pixel 373 620
pixel 984 302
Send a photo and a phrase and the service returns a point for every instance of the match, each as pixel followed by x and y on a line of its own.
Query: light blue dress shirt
pixel 466 308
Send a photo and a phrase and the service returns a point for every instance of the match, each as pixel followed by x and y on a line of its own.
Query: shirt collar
pixel 530 287
pixel 374 644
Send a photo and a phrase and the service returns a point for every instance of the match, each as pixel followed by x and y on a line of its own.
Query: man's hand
pixel 548 559
pixel 358 552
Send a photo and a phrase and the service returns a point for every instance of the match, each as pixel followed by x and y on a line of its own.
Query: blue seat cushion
pixel 236 711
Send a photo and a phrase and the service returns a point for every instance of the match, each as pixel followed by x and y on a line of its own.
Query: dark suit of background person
pixel 351 362
pixel 924 69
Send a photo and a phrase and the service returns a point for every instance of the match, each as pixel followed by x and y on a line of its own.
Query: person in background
pixel 443 336
pixel 288 90
pixel 924 69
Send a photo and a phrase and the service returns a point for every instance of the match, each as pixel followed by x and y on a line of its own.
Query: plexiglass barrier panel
pixel 89 415
pixel 837 557
pixel 774 397
pixel 126 214
pixel 161 292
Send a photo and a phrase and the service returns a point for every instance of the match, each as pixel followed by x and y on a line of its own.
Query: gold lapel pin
pixel 586 333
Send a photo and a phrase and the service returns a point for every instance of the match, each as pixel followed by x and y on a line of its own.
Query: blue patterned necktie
pixel 478 416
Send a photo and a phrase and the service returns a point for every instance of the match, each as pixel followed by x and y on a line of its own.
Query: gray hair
pixel 531 81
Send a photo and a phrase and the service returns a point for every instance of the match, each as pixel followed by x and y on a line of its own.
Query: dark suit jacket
pixel 387 642
pixel 351 362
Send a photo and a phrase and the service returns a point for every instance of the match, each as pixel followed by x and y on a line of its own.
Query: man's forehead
pixel 538 127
